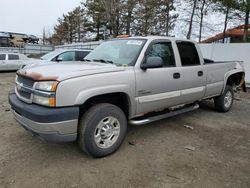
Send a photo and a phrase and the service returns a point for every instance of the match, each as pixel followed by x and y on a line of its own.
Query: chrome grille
pixel 24 94
pixel 23 89
pixel 26 90
pixel 25 81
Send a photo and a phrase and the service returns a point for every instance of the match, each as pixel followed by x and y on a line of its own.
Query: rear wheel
pixel 224 102
pixel 102 129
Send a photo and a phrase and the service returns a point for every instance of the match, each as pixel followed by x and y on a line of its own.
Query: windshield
pixel 119 52
pixel 51 55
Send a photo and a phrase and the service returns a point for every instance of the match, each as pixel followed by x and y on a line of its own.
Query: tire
pixel 102 129
pixel 224 102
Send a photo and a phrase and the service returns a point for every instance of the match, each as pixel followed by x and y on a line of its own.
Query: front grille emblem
pixel 19 86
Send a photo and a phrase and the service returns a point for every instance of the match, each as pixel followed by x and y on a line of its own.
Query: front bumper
pixel 50 124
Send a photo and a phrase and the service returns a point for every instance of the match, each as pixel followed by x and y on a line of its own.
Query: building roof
pixel 234 32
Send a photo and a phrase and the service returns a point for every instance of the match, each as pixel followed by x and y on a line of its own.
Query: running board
pixel 141 121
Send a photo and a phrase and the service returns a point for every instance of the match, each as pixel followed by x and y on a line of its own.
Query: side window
pixel 188 54
pixel 67 56
pixel 2 56
pixel 13 57
pixel 80 55
pixel 163 50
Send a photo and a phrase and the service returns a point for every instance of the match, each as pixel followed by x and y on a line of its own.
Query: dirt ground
pixel 153 155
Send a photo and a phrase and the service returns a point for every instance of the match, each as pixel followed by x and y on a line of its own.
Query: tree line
pixel 111 18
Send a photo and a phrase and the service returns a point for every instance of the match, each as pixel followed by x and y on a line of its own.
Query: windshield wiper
pixel 104 61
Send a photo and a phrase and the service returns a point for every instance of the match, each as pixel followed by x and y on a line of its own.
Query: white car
pixel 12 61
pixel 66 55
pixel 61 55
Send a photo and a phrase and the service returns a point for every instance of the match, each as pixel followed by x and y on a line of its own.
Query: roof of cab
pixel 153 37
pixel 161 37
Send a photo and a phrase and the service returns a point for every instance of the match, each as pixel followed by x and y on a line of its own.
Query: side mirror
pixel 58 59
pixel 152 62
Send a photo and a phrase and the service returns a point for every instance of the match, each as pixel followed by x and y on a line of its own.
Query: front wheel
pixel 102 129
pixel 224 102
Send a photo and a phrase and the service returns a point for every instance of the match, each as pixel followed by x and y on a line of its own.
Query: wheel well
pixel 119 99
pixel 235 79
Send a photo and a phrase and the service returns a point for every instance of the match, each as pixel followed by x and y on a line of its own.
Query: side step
pixel 148 119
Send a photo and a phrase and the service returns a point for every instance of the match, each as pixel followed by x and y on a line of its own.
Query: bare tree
pixel 201 18
pixel 191 19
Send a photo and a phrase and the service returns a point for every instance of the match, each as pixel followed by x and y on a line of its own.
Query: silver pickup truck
pixel 134 80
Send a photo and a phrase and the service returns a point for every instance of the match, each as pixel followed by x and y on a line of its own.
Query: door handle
pixel 200 73
pixel 176 75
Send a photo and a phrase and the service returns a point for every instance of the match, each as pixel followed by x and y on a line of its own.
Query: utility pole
pixel 44 36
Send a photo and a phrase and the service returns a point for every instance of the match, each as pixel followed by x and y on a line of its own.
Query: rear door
pixel 158 88
pixel 13 62
pixel 2 61
pixel 193 73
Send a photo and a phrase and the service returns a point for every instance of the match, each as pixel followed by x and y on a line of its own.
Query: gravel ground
pixel 215 153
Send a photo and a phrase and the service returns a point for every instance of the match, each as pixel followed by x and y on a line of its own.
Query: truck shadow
pixel 207 105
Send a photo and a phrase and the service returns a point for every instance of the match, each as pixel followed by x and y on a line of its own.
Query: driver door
pixel 158 88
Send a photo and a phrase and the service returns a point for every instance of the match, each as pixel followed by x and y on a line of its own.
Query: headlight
pixel 45 101
pixel 45 93
pixel 46 85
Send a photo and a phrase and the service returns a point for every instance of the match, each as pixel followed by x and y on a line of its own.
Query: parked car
pixel 12 61
pixel 137 80
pixel 66 55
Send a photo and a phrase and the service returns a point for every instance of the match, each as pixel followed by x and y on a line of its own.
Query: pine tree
pixel 166 17
pixel 244 6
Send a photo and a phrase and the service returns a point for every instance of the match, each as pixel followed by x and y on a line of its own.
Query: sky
pixel 31 16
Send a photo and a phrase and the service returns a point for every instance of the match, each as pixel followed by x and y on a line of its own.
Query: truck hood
pixel 65 70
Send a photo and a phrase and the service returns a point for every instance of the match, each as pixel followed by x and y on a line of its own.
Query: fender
pixel 84 95
pixel 230 73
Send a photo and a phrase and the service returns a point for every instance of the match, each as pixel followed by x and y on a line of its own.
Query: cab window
pixel 163 50
pixel 188 54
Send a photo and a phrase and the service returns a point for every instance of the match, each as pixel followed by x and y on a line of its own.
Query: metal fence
pixel 82 45
pixel 37 49
pixel 29 49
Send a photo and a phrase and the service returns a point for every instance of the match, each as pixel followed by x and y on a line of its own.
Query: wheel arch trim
pixel 87 94
pixel 231 73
